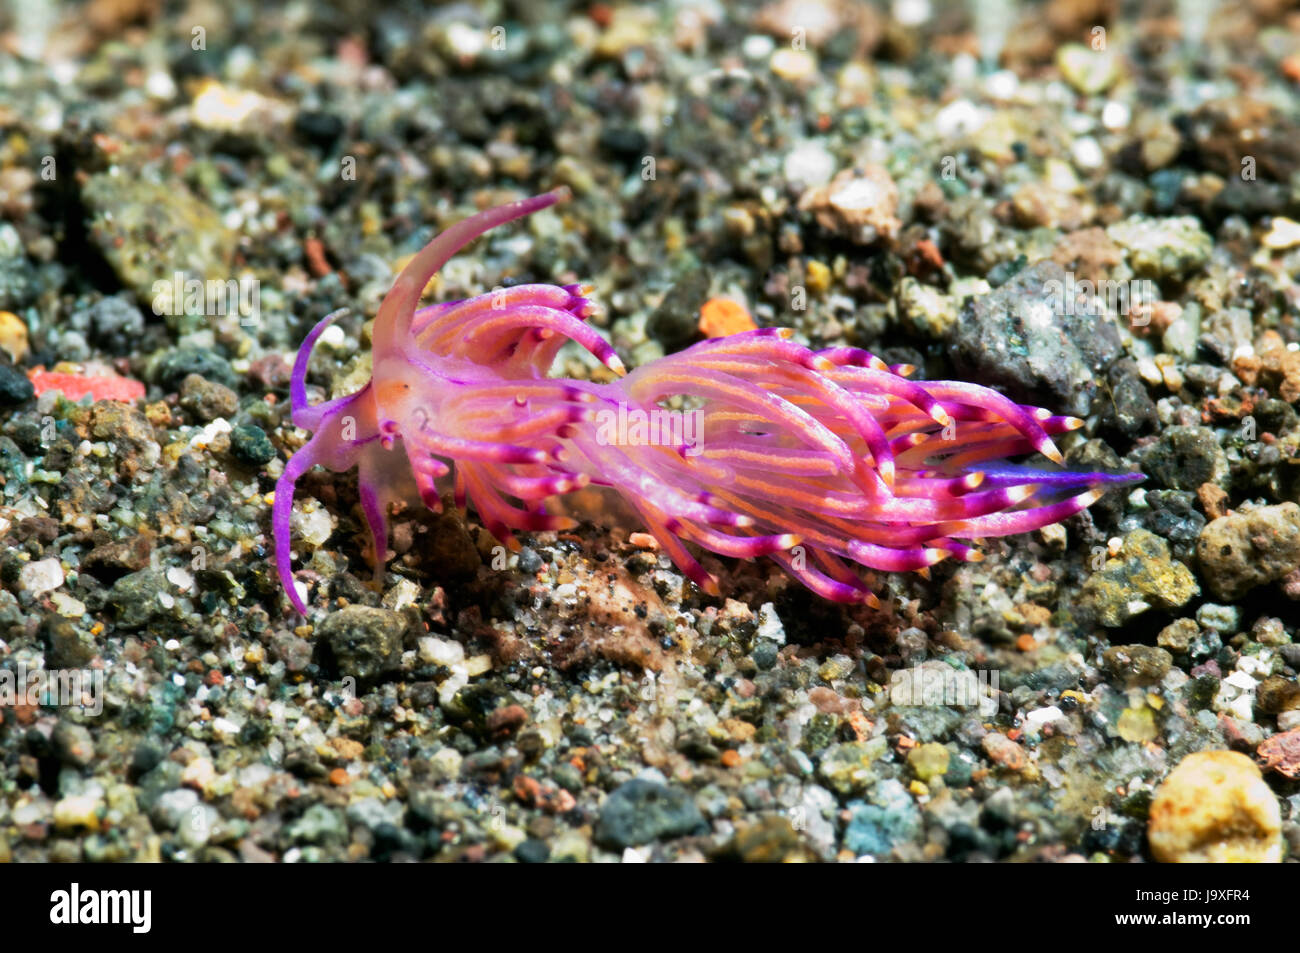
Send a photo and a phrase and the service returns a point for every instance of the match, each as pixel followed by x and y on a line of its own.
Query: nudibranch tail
pixel 829 462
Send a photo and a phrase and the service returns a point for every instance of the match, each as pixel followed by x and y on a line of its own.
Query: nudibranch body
pixel 822 460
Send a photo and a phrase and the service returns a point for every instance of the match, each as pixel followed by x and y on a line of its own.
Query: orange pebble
pixel 722 316
pixel 339 777
pixel 1026 643
pixel 730 759
pixel 643 541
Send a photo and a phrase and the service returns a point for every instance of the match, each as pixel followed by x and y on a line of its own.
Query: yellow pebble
pixel 13 336
pixel 818 278
pixel 1137 724
pixel 1215 808
pixel 928 761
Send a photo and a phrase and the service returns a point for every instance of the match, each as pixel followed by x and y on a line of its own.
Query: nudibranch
pixel 827 461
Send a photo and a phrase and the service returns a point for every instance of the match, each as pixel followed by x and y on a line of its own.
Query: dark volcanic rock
pixel 1019 338
pixel 641 811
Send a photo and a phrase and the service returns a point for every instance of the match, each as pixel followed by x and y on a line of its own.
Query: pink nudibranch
pixel 822 460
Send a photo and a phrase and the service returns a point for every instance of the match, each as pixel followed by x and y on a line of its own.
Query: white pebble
pixel 66 606
pixel 40 577
pixel 769 624
pixel 1002 85
pixel 757 47
pixel 1283 233
pixel 1114 115
pixel 1039 718
pixel 434 651
pixel 1087 153
pixel 809 165
pixel 333 337
pixel 960 118
pixel 315 527
pixel 911 12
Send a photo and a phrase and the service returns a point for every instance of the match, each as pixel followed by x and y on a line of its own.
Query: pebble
pixel 765 655
pixel 114 323
pixel 1281 753
pixel 1138 664
pixel 174 808
pixel 924 310
pixel 1215 808
pixel 721 317
pixel 41 576
pixel 794 66
pixel 366 642
pixel 961 117
pixel 1144 576
pixel 318 825
pixel 1163 247
pixel 1282 234
pixel 313 526
pixel 79 811
pixel 860 204
pixel 130 432
pixel 770 626
pixel 639 812
pixel 207 400
pixel 1137 725
pixel 147 231
pixel 135 598
pixel 1250 548
pixel 928 761
pixel 1177 636
pixel 1019 337
pixel 444 652
pixel 176 364
pixel 1184 458
pixel 1225 620
pixel 847 768
pixel 1276 694
pixel 66 645
pixel 809 165
pixel 73 744
pixel 770 840
pixel 13 336
pixel 18 284
pixel 675 321
pixel 1089 71
pixel 1002 751
pixel 890 818
pixel 15 388
pixel 251 445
